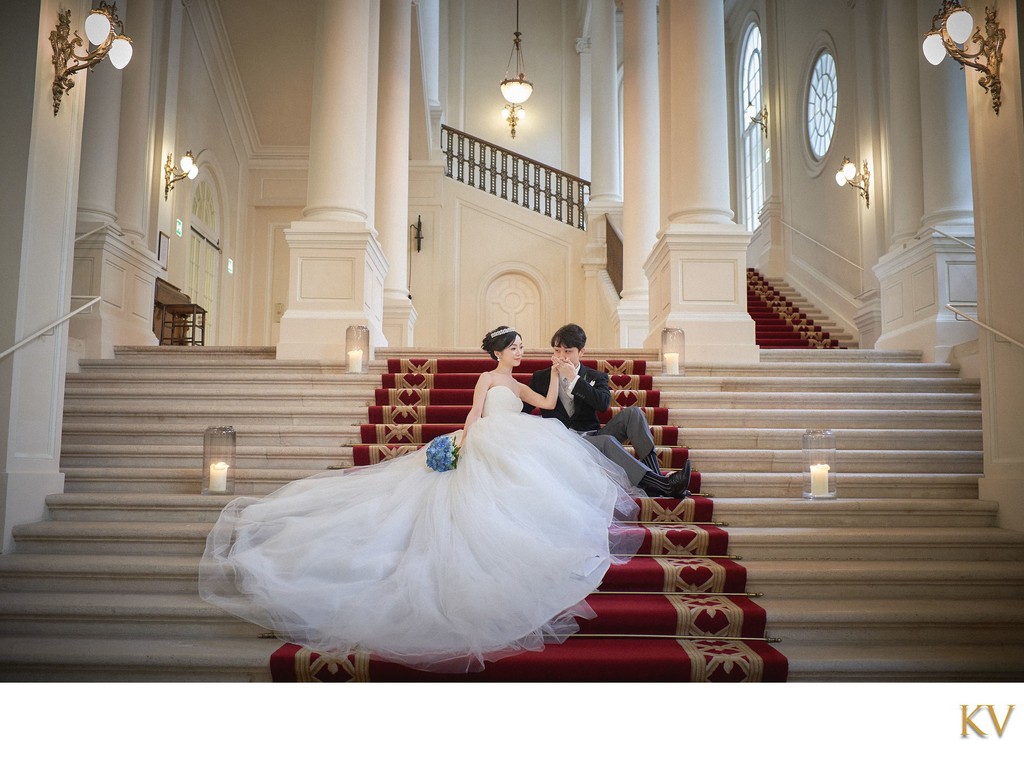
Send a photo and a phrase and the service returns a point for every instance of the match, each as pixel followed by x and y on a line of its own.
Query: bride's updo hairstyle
pixel 499 339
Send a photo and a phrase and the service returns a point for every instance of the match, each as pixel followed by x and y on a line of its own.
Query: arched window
pixel 204 251
pixel 751 137
pixel 822 102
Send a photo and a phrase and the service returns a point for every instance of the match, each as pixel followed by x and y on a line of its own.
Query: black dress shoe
pixel 679 481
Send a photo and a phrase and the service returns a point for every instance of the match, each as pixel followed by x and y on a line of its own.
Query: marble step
pixel 262 480
pixel 99 573
pixel 889 579
pixel 228 383
pixel 324 415
pixel 309 457
pixel 118 659
pixel 750 512
pixel 894 622
pixel 244 659
pixel 777 579
pixel 916 662
pixel 748 542
pixel 108 614
pixel 876 543
pixel 79 434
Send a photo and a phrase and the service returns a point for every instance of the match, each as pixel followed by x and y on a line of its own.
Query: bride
pixel 439 571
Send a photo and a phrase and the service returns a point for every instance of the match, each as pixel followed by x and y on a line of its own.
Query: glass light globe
pixel 849 170
pixel 751 111
pixel 521 113
pixel 516 91
pixel 186 162
pixel 506 112
pixel 120 51
pixel 193 172
pixel 840 178
pixel 933 48
pixel 97 27
pixel 959 25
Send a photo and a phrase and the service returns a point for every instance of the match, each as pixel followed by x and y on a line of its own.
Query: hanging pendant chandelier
pixel 516 89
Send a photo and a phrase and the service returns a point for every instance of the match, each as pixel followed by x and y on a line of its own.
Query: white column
pixel 998 200
pixel 606 185
pixel 641 190
pixel 136 175
pixel 101 128
pixel 392 206
pixel 337 268
pixel 37 224
pixel 697 271
pixel 923 269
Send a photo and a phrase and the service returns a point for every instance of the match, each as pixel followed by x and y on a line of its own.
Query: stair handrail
pixel 821 245
pixel 43 330
pixel 952 237
pixel 979 323
pixel 466 161
pixel 107 225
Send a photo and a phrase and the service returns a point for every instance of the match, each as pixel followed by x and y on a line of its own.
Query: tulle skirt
pixel 438 571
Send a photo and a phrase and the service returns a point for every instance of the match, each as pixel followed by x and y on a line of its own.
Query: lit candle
pixel 819 479
pixel 355 360
pixel 672 363
pixel 219 476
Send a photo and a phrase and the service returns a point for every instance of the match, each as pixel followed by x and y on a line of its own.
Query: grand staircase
pixel 903 577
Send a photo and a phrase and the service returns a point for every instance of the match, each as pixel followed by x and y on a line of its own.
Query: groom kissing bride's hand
pixel 583 393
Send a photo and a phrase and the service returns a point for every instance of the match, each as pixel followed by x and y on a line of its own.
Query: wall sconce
pixel 513 113
pixel 104 30
pixel 848 175
pixel 951 27
pixel 758 118
pixel 418 237
pixel 172 174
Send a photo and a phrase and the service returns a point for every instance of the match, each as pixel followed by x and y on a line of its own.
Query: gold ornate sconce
pixel 951 28
pixel 104 30
pixel 513 113
pixel 848 175
pixel 758 117
pixel 172 174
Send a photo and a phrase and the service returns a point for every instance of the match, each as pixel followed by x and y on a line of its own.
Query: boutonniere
pixel 593 382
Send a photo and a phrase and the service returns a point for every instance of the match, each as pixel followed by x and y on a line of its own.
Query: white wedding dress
pixel 438 571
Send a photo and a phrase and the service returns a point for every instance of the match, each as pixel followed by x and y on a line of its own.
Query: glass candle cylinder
pixel 219 460
pixel 672 345
pixel 357 348
pixel 819 473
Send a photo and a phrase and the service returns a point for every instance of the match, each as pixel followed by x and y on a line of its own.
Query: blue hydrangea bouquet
pixel 442 454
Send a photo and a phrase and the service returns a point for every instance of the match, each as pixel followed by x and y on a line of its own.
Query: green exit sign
pixel 177 226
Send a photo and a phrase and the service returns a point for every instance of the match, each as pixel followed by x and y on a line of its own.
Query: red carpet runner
pixel 677 611
pixel 777 322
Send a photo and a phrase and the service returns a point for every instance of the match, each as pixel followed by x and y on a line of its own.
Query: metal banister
pixel 44 330
pixel 969 318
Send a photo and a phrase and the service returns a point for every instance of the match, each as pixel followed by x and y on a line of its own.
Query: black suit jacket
pixel 590 395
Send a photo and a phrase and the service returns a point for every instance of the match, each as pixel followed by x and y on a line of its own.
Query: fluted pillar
pixel 640 192
pixel 925 268
pixel 697 269
pixel 392 204
pixel 337 267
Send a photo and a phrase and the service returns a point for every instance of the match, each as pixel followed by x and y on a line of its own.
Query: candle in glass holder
pixel 819 480
pixel 219 476
pixel 355 360
pixel 672 363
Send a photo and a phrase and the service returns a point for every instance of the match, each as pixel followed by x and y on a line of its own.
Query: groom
pixel 582 394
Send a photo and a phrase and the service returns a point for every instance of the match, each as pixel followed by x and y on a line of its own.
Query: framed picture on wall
pixel 161 250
